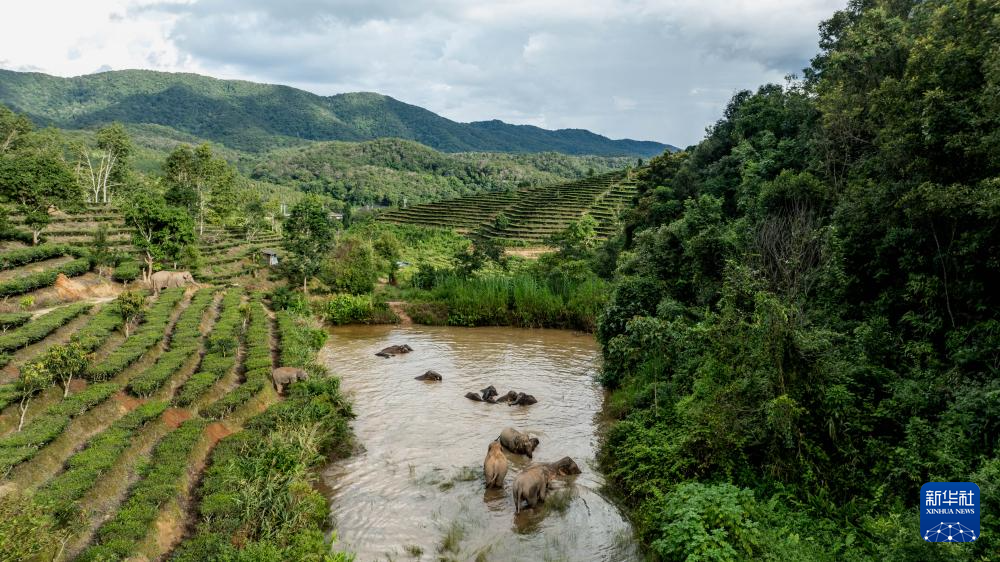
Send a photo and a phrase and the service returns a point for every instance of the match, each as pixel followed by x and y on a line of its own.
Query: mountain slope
pixel 257 117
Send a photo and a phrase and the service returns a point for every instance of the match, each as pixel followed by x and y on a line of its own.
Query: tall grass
pixel 518 299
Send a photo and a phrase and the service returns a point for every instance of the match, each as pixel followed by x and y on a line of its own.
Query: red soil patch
pixel 68 290
pixel 128 402
pixel 174 417
pixel 217 431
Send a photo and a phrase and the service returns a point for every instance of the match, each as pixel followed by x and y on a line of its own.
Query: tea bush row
pixel 11 320
pixel 23 445
pixel 183 345
pixel 25 256
pixel 149 334
pixel 299 340
pixel 99 328
pixel 39 328
pixel 159 482
pixel 61 494
pixel 256 365
pixel 32 281
pixel 221 348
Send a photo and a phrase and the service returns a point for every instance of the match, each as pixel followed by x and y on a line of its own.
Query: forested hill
pixel 256 117
pixel 396 171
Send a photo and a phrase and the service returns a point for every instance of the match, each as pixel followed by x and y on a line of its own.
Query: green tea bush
pixel 98 329
pixel 127 270
pixel 256 364
pixel 25 256
pixel 183 345
pixel 10 320
pixel 146 336
pixel 220 357
pixel 159 482
pixel 300 340
pixel 39 328
pixel 45 278
pixel 61 494
pixel 23 445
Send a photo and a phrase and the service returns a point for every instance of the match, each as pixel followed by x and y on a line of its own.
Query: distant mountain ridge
pixel 258 117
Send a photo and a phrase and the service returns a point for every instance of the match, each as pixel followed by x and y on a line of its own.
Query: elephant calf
pixel 517 442
pixel 562 467
pixel 495 465
pixel 429 376
pixel 283 376
pixel 394 350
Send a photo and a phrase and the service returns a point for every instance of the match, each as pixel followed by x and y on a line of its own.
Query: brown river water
pixel 415 491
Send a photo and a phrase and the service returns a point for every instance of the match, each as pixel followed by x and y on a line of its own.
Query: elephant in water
pixel 532 484
pixel 517 442
pixel 432 375
pixel 394 350
pixel 169 279
pixel 283 376
pixel 495 465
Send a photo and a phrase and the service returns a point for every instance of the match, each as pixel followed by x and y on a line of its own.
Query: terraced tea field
pixel 26 269
pixel 138 456
pixel 528 216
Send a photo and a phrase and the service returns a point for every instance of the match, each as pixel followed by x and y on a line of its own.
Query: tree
pixel 107 167
pixel 309 237
pixel 34 378
pixel 65 361
pixel 162 232
pixel 101 255
pixel 129 305
pixel 35 180
pixel 13 127
pixel 200 182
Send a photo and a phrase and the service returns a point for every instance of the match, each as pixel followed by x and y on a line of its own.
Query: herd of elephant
pixel 531 485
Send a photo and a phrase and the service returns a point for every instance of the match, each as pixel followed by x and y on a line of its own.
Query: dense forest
pixel 259 117
pixel 804 321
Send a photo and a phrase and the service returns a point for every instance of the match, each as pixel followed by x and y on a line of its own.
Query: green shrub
pixel 299 339
pixel 257 486
pixel 356 309
pixel 61 494
pixel 429 313
pixel 159 483
pixel 39 328
pixel 127 270
pixel 45 278
pixel 146 336
pixel 23 445
pixel 10 320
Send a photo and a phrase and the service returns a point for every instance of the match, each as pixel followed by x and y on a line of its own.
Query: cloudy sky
pixel 646 69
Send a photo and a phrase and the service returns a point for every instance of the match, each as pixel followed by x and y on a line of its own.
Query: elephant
pixel 168 279
pixel 562 467
pixel 474 396
pixel 495 465
pixel 531 486
pixel 509 397
pixel 488 393
pixel 522 399
pixel 394 350
pixel 283 376
pixel 517 442
pixel 433 376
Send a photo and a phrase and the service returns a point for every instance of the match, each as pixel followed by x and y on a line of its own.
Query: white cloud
pixel 651 69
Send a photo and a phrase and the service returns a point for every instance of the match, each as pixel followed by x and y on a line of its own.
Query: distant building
pixel 270 256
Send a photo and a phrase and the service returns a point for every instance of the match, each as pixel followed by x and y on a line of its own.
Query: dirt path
pixel 399 308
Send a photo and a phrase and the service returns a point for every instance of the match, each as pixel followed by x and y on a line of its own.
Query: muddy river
pixel 416 490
